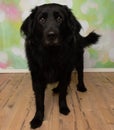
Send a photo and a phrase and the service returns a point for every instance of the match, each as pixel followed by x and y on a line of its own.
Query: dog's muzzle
pixel 51 38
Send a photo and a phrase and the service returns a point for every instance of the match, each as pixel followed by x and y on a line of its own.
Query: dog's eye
pixel 42 20
pixel 59 20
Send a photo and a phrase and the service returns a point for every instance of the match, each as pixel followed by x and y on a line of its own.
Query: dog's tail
pixel 92 38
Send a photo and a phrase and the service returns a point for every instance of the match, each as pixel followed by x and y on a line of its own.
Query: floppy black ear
pixel 27 26
pixel 72 21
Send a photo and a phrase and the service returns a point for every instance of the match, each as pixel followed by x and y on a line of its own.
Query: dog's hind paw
pixel 81 88
pixel 64 110
pixel 55 90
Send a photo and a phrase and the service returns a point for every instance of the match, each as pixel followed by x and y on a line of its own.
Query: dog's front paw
pixel 36 123
pixel 37 120
pixel 81 88
pixel 64 110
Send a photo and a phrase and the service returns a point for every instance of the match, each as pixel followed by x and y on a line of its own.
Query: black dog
pixel 54 48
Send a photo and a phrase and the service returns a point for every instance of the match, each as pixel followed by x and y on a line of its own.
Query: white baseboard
pixel 99 70
pixel 85 70
pixel 14 71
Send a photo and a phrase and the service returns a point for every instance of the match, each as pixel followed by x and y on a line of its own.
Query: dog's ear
pixel 27 26
pixel 72 21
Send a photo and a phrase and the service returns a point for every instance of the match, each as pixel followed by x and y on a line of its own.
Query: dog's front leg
pixel 39 91
pixel 63 84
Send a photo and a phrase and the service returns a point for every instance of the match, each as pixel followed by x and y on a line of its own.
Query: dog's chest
pixel 54 65
pixel 53 68
pixel 52 72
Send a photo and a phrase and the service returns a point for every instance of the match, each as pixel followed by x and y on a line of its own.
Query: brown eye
pixel 42 20
pixel 59 20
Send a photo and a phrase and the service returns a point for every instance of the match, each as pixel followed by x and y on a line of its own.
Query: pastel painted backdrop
pixel 95 15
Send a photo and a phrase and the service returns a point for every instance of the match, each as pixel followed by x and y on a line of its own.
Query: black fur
pixel 54 48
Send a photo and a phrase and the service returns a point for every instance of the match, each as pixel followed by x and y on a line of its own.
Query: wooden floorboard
pixel 92 110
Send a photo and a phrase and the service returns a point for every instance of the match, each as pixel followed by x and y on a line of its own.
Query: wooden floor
pixel 93 110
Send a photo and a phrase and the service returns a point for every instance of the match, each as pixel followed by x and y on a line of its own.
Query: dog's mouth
pixel 52 42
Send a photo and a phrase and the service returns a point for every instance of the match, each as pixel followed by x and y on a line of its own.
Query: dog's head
pixel 50 24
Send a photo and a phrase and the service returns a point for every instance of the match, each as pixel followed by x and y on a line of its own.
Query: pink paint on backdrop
pixel 11 11
pixel 3 65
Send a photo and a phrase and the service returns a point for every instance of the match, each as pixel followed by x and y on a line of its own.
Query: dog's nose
pixel 51 35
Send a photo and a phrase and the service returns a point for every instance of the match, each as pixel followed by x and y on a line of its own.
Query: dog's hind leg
pixel 79 67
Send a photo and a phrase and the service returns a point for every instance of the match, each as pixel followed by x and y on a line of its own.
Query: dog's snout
pixel 51 35
pixel 51 38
